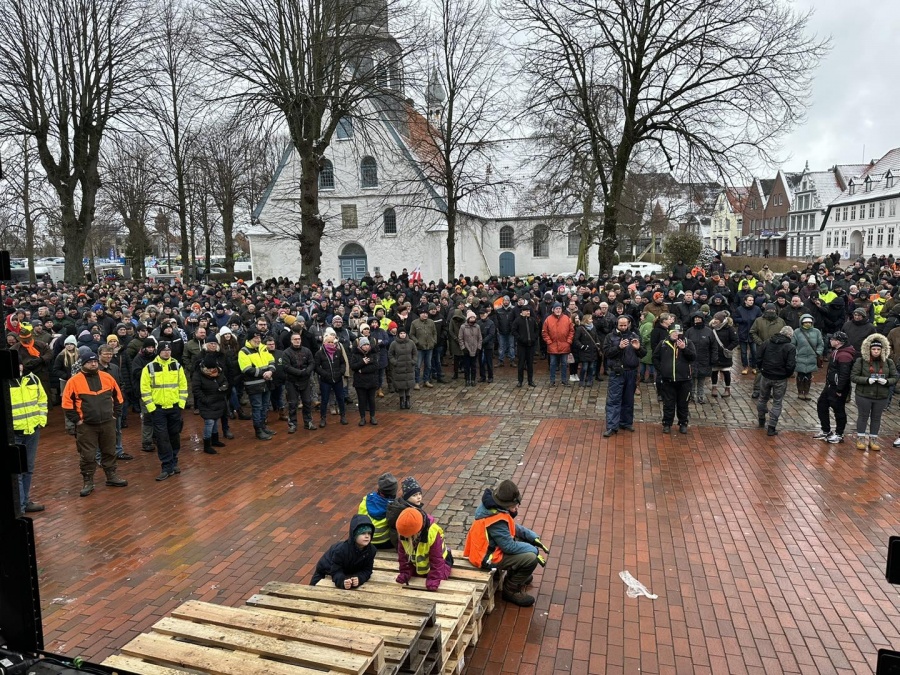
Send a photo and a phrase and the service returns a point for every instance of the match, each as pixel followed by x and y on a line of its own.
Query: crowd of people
pixel 252 351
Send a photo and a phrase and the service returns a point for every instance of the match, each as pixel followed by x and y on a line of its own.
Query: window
pixel 879 238
pixel 507 235
pixel 889 180
pixel 852 189
pixel 541 242
pixel 868 185
pixel 574 242
pixel 368 170
pixel 837 215
pixel 843 238
pixel 881 209
pixel 348 217
pixel 344 129
pixel 892 209
pixel 390 222
pixel 869 236
pixel 326 175
pixel 872 210
pixel 890 241
pixel 853 212
pixel 828 240
pixel 844 217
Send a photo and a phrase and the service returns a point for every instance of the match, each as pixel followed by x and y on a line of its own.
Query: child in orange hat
pixel 421 549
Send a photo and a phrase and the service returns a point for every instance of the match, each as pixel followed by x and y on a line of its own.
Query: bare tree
pixel 700 86
pixel 67 70
pixel 314 63
pixel 467 101
pixel 176 104
pixel 236 163
pixel 130 190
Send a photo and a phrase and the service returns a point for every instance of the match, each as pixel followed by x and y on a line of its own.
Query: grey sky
pixel 855 99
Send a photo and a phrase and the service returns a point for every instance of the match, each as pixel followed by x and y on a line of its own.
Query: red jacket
pixel 558 333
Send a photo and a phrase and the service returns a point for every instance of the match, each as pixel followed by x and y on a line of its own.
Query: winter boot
pixel 362 420
pixel 242 415
pixel 266 428
pixel 380 393
pixel 862 442
pixel 873 444
pixel 727 392
pixel 517 595
pixel 344 419
pixel 771 431
pixel 292 428
pixel 282 415
pixel 262 435
pixel 714 391
pixel 113 480
pixel 88 487
pixel 373 421
pixel 208 448
pixel 215 442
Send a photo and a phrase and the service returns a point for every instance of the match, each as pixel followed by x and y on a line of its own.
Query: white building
pixel 382 214
pixel 727 219
pixel 815 191
pixel 863 219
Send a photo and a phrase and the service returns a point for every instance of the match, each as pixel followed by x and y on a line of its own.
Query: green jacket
pixel 863 369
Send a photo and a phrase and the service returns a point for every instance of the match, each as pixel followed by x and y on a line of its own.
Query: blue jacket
pixel 377 505
pixel 499 532
pixel 744 317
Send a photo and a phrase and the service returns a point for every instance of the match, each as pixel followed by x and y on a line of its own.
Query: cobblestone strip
pixel 499 457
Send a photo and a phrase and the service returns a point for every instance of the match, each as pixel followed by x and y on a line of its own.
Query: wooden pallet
pixel 203 638
pixel 400 620
pixel 459 629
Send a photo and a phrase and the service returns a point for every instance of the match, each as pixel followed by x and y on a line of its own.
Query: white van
pixel 637 268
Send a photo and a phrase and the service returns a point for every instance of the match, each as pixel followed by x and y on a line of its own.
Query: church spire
pixel 435 95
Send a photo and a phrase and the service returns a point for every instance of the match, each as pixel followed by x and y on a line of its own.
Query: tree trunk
pixel 75 236
pixel 311 223
pixel 26 209
pixel 189 271
pixel 451 244
pixel 607 254
pixel 228 233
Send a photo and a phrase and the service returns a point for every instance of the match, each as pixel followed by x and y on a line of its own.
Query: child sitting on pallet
pixel 422 551
pixel 410 495
pixel 349 563
pixel 375 506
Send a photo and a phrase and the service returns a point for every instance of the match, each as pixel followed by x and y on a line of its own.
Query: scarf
pixel 28 343
pixel 330 348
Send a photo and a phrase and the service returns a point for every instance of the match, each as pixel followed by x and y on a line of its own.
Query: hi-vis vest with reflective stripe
pixel 163 384
pixel 479 550
pixel 878 307
pixel 419 555
pixel 29 404
pixel 382 534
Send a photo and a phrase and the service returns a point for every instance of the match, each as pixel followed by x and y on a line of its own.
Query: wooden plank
pixel 139 667
pixel 345 639
pixel 447 585
pixel 392 636
pixel 312 608
pixel 356 599
pixel 169 652
pixel 289 651
pixel 449 604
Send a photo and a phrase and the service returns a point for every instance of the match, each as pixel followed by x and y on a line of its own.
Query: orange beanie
pixel 409 522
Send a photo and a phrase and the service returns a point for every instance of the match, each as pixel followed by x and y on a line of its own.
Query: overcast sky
pixel 856 97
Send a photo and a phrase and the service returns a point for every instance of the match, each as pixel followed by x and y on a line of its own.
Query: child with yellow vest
pixel 421 550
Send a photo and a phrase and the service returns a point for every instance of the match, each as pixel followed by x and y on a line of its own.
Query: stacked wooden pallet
pixel 294 629
pixel 205 638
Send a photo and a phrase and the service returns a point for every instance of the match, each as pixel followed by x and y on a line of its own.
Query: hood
pixel 377 505
pixel 487 501
pixel 885 346
pixel 358 520
pixel 779 339
pixel 804 317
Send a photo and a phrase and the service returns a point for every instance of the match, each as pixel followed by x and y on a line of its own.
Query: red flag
pixel 416 276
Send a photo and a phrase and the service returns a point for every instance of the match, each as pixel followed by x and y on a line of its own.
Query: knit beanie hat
pixel 149 342
pixel 507 495
pixel 363 528
pixel 410 522
pixel 387 485
pixel 210 361
pixel 788 331
pixel 70 340
pixel 470 315
pixel 770 307
pixel 674 328
pixel 289 320
pixel 720 316
pixel 363 342
pixel 112 338
pixel 84 353
pixel 409 487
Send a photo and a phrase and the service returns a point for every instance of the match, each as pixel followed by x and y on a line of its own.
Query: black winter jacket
pixel 298 366
pixel 210 394
pixel 840 366
pixel 628 358
pixel 526 330
pixel 365 375
pixel 777 357
pixel 587 344
pixel 706 346
pixel 673 364
pixel 345 559
pixel 330 370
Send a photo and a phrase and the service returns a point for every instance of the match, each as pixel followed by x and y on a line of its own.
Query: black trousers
pixel 675 399
pixel 829 400
pixel 303 395
pixel 366 398
pixel 526 360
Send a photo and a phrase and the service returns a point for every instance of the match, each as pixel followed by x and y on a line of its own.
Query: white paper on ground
pixel 635 587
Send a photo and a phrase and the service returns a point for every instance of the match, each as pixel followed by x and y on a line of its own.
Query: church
pixel 382 213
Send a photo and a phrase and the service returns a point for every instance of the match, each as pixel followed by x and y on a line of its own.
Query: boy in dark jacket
pixel 349 563
pixel 674 359
pixel 837 389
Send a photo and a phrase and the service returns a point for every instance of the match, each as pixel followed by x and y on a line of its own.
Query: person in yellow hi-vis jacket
pixel 29 414
pixel 164 392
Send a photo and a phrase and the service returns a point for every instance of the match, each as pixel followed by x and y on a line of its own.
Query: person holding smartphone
pixel 874 373
pixel 674 361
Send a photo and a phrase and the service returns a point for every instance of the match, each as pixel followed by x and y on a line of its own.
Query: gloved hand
pixel 881 380
pixel 402 578
pixel 541 545
pixel 872 379
pixel 542 561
